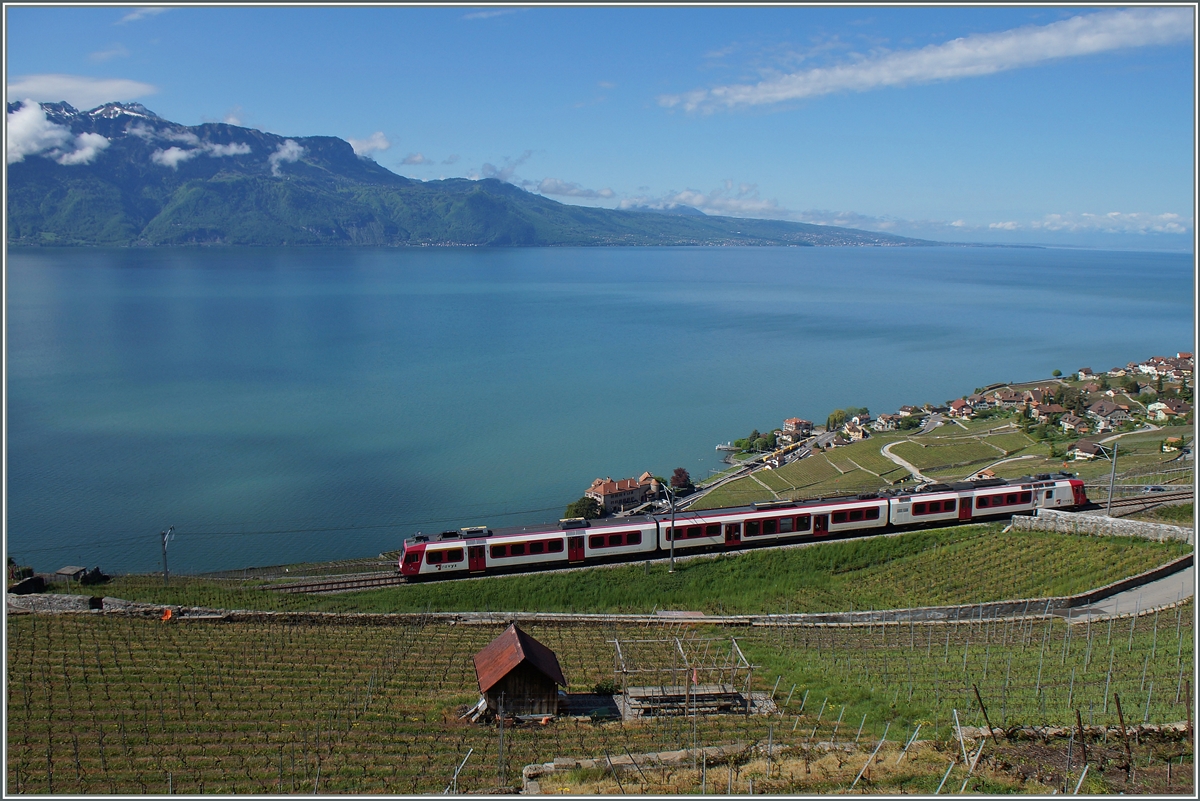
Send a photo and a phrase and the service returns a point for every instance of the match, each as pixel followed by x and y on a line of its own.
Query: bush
pixel 605 687
pixel 585 507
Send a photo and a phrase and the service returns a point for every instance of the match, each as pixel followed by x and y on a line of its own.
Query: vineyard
pixel 967 564
pixel 117 705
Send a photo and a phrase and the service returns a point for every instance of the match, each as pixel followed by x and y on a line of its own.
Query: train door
pixel 964 508
pixel 733 535
pixel 820 525
pixel 575 548
pixel 475 560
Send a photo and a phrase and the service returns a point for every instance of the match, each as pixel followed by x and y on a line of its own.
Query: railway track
pixel 361 582
pixel 1150 499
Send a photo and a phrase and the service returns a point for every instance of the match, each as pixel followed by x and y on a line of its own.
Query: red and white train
pixel 573 542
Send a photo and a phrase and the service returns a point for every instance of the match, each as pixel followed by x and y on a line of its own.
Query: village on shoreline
pixel 1074 415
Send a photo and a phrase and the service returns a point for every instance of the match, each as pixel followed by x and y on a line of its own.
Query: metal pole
pixel 1111 480
pixel 671 569
pixel 166 534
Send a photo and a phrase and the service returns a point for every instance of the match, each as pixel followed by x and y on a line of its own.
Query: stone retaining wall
pixel 1099 526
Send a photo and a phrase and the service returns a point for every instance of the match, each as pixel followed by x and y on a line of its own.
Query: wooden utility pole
pixel 983 709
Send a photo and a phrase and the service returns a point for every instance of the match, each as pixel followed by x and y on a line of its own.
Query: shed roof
pixel 509 650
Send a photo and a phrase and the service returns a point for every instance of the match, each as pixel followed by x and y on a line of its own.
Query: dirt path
pixel 912 468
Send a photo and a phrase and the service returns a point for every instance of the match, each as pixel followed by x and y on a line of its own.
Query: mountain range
pixel 120 175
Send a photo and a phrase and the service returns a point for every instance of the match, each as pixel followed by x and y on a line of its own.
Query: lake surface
pixel 284 405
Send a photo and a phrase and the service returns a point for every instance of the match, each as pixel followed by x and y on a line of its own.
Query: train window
pixel 615 539
pixel 713 530
pixel 1026 497
pixel 412 558
pixel 839 517
pixel 499 551
pixel 454 555
pixel 752 528
pixel 982 502
pixel 949 506
pixel 770 526
pixel 554 546
pixel 517 549
pixel 1010 498
pixel 694 531
pixel 803 522
pixel 786 525
pixel 918 509
pixel 633 538
pixel 1049 494
pixel 873 513
pixel 596 541
pixel 537 547
pixel 433 557
pixel 856 515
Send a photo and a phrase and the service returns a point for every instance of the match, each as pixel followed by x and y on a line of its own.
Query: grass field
pixel 934 453
pixel 118 705
pixel 965 564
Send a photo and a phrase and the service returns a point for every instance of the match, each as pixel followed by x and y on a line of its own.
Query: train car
pixel 479 550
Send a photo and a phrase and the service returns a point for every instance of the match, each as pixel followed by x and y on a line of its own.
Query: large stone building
pixel 622 494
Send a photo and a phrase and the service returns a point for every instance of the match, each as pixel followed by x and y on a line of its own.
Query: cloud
pixel 114 51
pixel 968 56
pixel 416 158
pixel 173 156
pixel 451 159
pixel 1116 222
pixel 30 133
pixel 553 186
pixel 231 149
pixel 141 13
pixel 730 199
pixel 288 151
pixel 496 12
pixel 506 172
pixel 373 143
pixel 187 137
pixel 78 90
pixel 1004 226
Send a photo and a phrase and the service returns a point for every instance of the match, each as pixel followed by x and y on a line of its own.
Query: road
pixel 912 468
pixel 1165 591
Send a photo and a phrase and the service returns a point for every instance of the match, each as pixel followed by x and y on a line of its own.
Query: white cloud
pixel 451 159
pixel 968 56
pixel 141 13
pixel 373 143
pixel 416 158
pixel 497 12
pixel 78 90
pixel 1116 222
pixel 231 149
pixel 30 133
pixel 288 151
pixel 187 137
pixel 87 147
pixel 553 186
pixel 740 200
pixel 173 156
pixel 114 51
pixel 506 172
pixel 1004 226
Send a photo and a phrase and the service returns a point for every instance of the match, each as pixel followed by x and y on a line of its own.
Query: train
pixel 574 542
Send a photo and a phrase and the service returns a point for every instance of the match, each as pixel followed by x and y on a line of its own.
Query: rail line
pixel 362 582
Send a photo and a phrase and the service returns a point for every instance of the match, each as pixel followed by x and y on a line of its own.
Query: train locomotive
pixel 576 542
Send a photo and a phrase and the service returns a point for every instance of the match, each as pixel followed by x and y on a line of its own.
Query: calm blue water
pixel 279 405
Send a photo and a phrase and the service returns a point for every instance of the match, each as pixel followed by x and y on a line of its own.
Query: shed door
pixel 575 548
pixel 475 560
pixel 820 525
pixel 964 508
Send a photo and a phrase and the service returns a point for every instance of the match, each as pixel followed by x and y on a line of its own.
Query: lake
pixel 285 405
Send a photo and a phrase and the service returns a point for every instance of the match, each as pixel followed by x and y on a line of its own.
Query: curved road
pixel 886 450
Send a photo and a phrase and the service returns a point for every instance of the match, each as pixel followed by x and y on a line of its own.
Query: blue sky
pixel 1070 126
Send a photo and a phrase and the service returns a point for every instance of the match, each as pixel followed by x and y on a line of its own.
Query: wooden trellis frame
pixel 700 671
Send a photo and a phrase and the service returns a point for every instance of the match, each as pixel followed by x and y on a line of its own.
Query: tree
pixel 1056 373
pixel 680 479
pixel 1158 385
pixel 585 507
pixel 835 420
pixel 909 423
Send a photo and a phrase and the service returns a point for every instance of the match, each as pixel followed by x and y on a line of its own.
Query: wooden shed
pixel 522 671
